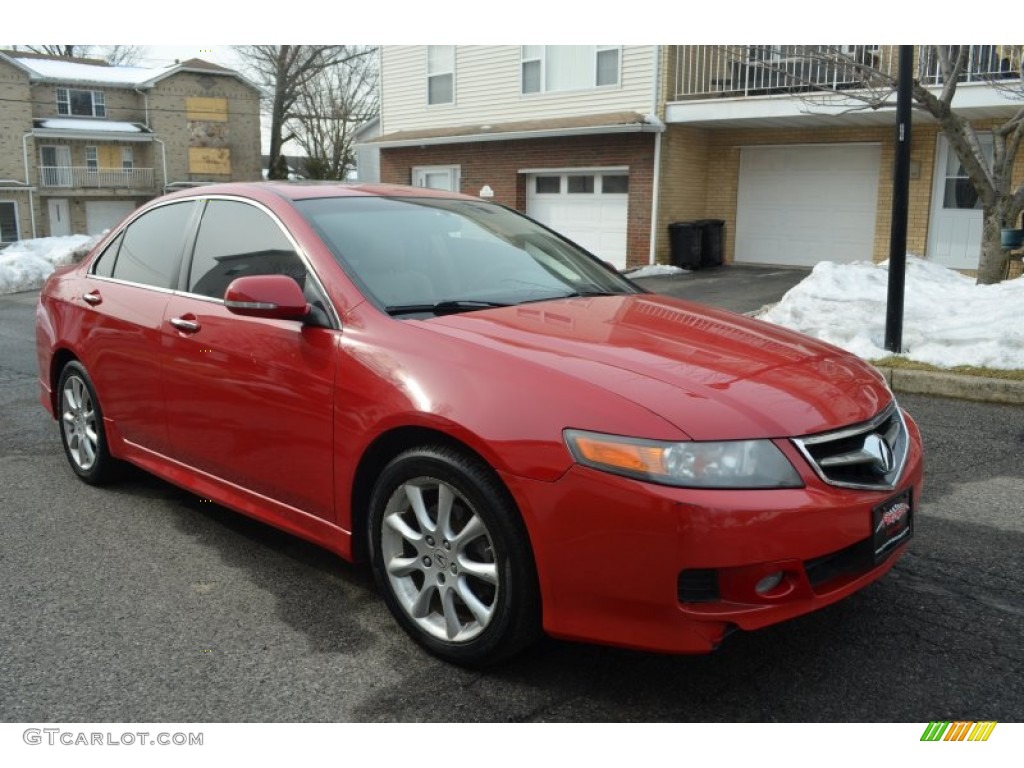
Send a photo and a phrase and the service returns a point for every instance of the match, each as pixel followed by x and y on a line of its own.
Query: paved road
pixel 140 603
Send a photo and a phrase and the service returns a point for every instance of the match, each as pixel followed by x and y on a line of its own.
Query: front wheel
pixel 452 557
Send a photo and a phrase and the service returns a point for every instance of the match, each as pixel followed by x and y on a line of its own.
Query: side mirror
pixel 272 296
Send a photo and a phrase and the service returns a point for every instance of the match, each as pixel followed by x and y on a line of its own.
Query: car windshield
pixel 431 256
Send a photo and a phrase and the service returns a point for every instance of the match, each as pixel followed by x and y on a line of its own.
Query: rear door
pixel 125 295
pixel 250 400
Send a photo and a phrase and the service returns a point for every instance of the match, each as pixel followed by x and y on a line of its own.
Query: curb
pixel 978 388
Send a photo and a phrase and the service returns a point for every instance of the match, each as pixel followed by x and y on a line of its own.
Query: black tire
pixel 466 591
pixel 81 427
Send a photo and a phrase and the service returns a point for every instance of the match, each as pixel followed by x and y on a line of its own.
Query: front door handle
pixel 93 298
pixel 185 325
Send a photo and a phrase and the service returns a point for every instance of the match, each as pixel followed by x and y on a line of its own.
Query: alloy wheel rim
pixel 439 558
pixel 78 416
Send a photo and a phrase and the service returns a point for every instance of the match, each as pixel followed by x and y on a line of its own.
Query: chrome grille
pixel 869 455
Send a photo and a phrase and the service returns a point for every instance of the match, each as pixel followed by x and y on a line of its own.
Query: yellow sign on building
pixel 205 108
pixel 209 160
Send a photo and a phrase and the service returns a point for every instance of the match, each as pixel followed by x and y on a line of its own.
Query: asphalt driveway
pixel 736 287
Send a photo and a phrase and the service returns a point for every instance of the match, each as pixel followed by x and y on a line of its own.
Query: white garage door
pixel 588 207
pixel 801 205
pixel 104 214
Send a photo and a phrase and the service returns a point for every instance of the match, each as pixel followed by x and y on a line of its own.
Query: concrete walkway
pixel 746 288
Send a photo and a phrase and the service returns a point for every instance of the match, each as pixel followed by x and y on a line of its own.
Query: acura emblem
pixel 880 453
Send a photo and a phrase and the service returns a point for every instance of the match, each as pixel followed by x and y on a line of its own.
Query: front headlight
pixel 727 464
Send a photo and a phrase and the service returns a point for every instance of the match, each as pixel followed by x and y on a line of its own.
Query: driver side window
pixel 239 240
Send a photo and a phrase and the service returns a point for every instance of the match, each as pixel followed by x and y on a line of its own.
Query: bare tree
pixel 115 55
pixel 330 106
pixel 853 76
pixel 285 70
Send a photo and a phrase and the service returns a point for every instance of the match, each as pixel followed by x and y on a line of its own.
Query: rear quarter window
pixel 150 249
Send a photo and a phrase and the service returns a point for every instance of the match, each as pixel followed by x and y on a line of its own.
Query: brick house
pixel 565 133
pixel 745 134
pixel 83 143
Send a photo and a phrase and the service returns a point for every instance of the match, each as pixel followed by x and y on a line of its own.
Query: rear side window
pixel 150 251
pixel 239 240
pixel 104 265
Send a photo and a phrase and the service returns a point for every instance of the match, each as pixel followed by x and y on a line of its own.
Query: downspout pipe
pixel 28 183
pixel 163 155
pixel 656 175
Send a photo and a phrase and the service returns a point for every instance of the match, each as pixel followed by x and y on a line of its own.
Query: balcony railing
pixel 709 71
pixel 106 178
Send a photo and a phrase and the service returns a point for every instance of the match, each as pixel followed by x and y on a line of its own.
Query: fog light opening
pixel 768 583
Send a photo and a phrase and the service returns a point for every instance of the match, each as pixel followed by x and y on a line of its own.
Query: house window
pixel 548 185
pixel 127 158
pixel 81 103
pixel 617 184
pixel 958 192
pixel 581 185
pixel 440 74
pixel 446 177
pixel 92 159
pixel 8 221
pixel 569 67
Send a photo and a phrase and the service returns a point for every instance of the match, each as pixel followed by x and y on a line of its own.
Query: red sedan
pixel 516 437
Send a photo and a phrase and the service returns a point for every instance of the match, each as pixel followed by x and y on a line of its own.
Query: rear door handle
pixel 93 298
pixel 185 325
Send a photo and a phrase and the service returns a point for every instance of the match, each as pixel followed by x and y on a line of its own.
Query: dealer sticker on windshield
pixel 893 524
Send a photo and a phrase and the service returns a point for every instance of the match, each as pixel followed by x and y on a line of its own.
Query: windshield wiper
pixel 447 307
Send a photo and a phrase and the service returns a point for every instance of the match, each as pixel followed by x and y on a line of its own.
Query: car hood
pixel 713 374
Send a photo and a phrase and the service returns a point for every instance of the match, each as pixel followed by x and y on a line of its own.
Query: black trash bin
pixel 684 238
pixel 712 240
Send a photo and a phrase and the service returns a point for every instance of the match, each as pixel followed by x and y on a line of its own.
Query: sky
pixel 478 22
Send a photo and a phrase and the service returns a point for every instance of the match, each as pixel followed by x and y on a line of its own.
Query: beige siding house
pixel 82 143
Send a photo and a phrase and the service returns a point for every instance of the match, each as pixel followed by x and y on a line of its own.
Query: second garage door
pixel 804 204
pixel 101 215
pixel 588 207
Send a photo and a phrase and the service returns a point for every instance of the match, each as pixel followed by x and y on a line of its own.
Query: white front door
pixel 954 231
pixel 60 217
pixel 798 205
pixel 588 207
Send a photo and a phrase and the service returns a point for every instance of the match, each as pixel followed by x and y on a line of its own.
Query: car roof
pixel 304 190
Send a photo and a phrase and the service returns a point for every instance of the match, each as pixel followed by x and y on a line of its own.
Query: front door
pixel 249 400
pixel 60 217
pixel 954 233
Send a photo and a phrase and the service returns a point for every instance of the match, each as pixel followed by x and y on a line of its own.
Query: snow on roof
pixel 70 124
pixel 70 71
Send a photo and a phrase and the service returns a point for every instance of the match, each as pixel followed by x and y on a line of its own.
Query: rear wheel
pixel 452 558
pixel 81 426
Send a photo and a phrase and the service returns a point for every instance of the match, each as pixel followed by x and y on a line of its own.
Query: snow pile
pixel 948 320
pixel 657 270
pixel 26 264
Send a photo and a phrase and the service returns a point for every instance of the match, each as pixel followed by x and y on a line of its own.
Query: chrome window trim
pixel 900 462
pixel 332 312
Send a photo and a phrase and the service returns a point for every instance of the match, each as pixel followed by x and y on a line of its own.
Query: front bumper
pixel 621 561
